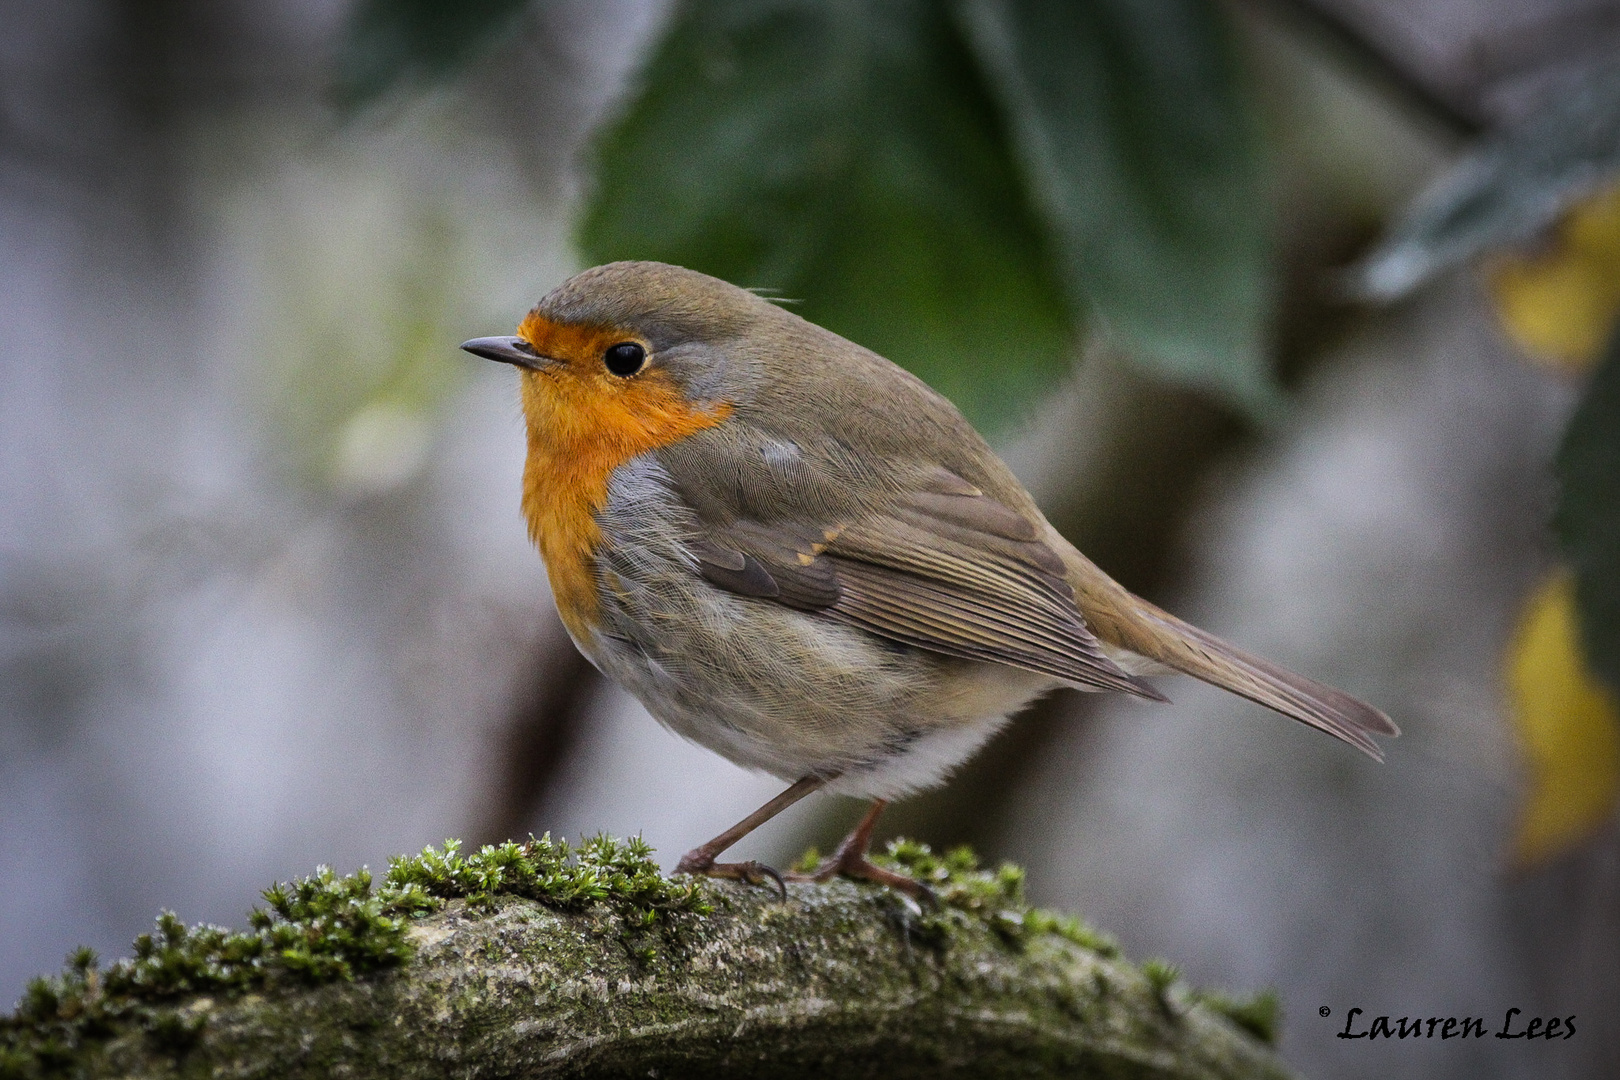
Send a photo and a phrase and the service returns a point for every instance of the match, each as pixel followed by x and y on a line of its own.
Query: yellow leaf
pixel 1568 726
pixel 1559 304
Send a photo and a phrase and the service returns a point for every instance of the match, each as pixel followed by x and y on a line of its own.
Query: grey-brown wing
pixel 946 569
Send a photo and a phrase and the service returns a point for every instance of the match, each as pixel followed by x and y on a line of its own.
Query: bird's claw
pixel 755 873
pixel 858 866
pixel 750 872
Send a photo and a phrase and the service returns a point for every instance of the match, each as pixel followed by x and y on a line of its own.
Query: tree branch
pixel 647 979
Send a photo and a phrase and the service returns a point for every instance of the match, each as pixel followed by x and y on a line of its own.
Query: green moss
pixel 995 896
pixel 312 930
pixel 621 874
pixel 315 930
pixel 331 929
pixel 1258 1014
pixel 1161 975
pixel 1071 928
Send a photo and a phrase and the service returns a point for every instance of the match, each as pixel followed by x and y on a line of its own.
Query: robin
pixel 797 554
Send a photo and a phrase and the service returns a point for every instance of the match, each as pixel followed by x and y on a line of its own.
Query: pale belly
pixel 801 699
pixel 772 688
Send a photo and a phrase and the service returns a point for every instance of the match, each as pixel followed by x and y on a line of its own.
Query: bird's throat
pixel 577 436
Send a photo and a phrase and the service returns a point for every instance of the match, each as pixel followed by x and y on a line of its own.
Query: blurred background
pixel 1296 315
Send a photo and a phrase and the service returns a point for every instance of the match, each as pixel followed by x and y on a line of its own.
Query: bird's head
pixel 633 353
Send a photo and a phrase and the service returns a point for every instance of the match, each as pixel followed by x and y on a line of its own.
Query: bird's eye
pixel 625 358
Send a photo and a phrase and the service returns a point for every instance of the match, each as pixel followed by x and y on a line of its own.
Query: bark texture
pixel 840 980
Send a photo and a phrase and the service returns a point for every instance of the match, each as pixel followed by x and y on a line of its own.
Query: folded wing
pixel 945 568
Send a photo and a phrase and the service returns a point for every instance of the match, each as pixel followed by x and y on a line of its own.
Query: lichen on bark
pixel 539 961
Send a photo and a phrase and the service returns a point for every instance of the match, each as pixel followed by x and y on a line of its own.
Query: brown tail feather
pixel 1130 622
pixel 1261 681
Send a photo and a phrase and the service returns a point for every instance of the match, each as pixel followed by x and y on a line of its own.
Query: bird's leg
pixel 700 860
pixel 851 860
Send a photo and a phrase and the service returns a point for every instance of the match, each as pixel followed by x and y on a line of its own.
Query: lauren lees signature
pixel 1451 1027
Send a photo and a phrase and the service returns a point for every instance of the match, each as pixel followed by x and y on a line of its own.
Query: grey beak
pixel 508 350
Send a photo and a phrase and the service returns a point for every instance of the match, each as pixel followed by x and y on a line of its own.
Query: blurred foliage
pixel 1548 185
pixel 1129 122
pixel 359 370
pixel 960 187
pixel 1588 515
pixel 394 42
pixel 1568 725
pixel 1559 301
pixel 848 156
pixel 1508 190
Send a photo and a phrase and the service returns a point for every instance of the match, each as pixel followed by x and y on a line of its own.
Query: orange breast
pixel 583 423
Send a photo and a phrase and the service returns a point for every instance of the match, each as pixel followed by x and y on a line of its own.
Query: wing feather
pixel 934 616
pixel 947 569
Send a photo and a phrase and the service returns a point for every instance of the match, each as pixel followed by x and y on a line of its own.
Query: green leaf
pixel 847 155
pixel 1146 161
pixel 389 43
pixel 1588 515
pixel 1507 190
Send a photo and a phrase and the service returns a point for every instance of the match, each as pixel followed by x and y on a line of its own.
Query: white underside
pixel 924 763
pixel 772 688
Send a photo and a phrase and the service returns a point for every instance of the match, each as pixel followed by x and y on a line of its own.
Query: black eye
pixel 625 358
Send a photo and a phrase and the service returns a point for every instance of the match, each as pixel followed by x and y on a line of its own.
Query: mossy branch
pixel 540 960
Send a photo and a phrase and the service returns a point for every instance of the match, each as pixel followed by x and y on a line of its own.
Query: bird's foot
pixel 854 864
pixel 701 863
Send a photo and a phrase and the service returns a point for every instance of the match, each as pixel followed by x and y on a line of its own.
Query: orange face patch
pixel 584 422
